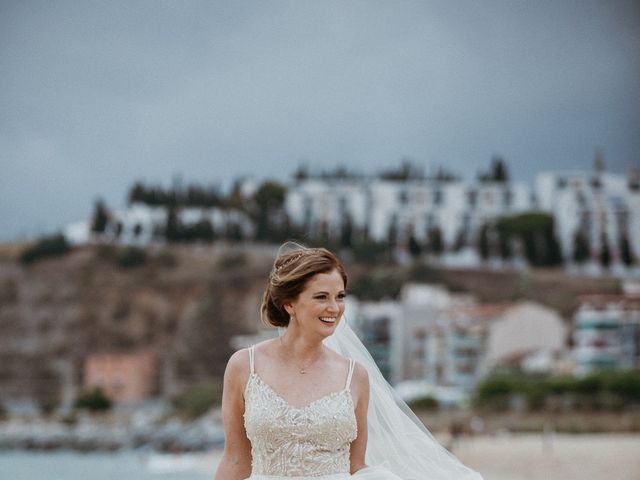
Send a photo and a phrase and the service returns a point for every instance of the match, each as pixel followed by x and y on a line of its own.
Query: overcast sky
pixel 96 95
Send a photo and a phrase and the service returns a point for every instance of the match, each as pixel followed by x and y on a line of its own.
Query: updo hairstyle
pixel 290 273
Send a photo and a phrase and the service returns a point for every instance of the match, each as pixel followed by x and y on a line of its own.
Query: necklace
pixel 301 368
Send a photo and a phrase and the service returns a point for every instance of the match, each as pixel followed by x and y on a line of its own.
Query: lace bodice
pixel 312 440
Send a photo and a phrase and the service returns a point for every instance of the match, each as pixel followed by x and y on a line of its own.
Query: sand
pixel 553 457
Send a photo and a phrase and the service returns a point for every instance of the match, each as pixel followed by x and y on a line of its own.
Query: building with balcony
pixel 606 332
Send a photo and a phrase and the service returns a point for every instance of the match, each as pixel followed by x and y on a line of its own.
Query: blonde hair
pixel 290 273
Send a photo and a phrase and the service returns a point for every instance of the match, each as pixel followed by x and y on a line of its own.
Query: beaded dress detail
pixel 287 441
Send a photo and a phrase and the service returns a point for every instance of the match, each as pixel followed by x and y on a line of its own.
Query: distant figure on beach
pixel 311 404
pixel 456 429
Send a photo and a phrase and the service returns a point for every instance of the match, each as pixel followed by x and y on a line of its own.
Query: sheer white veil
pixel 397 439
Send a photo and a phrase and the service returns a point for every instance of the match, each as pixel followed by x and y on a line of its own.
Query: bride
pixel 311 404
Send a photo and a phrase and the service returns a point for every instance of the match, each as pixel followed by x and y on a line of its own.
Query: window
pixel 472 197
pixel 507 198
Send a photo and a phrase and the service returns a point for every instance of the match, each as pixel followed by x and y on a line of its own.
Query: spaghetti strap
pixel 252 359
pixel 351 365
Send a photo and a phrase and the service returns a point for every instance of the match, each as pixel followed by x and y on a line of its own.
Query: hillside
pixel 185 303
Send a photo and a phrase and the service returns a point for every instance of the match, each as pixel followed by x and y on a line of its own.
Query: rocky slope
pixel 184 303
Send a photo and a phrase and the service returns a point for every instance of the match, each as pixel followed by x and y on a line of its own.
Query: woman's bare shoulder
pixel 266 346
pixel 238 362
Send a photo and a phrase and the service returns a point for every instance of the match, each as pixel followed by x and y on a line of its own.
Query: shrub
pixel 496 390
pixel 94 400
pixel 608 390
pixel 48 405
pixel 625 383
pixel 45 247
pixel 424 403
pixel 131 257
pixel 196 400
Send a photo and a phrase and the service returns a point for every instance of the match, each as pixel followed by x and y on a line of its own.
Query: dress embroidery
pixel 311 440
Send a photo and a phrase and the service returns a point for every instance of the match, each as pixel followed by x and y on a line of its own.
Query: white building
pixel 598 204
pixel 469 341
pixel 323 207
pixel 383 208
pixel 142 224
pixel 606 332
pixel 377 324
pixel 456 347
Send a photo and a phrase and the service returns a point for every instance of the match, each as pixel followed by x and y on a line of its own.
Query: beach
pixel 553 456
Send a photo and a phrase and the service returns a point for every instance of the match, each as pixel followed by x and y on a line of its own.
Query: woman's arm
pixel 360 389
pixel 235 463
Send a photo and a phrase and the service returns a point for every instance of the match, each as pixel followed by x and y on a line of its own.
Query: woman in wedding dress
pixel 311 404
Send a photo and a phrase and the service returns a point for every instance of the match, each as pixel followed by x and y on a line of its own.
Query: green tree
pixel 415 249
pixel 268 201
pixel 131 257
pixel 95 400
pixel 137 193
pixel 537 232
pixel 203 230
pixel 173 227
pixel 235 198
pixel 436 244
pixel 408 170
pixel 392 235
pixel 346 232
pixel 504 243
pixel 581 247
pixel 625 250
pixel 50 246
pixel 196 400
pixel 498 171
pixel 605 252
pixel 301 173
pixel 100 217
pixel 484 247
pixel 460 242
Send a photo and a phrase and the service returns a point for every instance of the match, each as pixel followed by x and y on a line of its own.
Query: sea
pixel 127 465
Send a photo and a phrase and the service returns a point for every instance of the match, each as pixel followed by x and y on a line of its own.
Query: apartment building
pixel 606 332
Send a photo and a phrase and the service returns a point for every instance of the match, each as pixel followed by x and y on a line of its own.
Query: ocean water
pixel 21 465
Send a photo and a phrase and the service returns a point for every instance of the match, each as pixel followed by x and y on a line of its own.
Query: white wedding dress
pixel 302 443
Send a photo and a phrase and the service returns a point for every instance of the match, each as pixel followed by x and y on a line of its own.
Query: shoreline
pixel 159 433
pixel 502 456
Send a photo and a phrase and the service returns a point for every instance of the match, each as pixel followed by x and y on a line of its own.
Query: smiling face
pixel 320 306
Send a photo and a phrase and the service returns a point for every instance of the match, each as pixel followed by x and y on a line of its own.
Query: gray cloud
pixel 97 94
